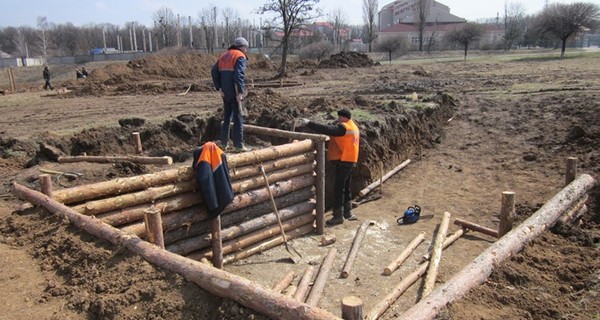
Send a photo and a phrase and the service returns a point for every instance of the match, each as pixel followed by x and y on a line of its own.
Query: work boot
pixel 337 218
pixel 241 149
pixel 347 213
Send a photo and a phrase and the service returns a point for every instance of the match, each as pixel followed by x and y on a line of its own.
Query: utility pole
pixel 134 37
pixel 191 35
pixel 216 39
pixel 104 38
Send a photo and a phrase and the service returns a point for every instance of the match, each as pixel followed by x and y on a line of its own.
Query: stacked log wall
pixel 246 222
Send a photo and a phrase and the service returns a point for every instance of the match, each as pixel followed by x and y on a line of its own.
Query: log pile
pixel 248 224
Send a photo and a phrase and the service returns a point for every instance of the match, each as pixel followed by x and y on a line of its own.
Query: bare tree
pixel 370 8
pixel 565 20
pixel 166 22
pixel 393 44
pixel 208 24
pixel 423 8
pixel 230 18
pixel 43 26
pixel 466 35
pixel 337 19
pixel 514 23
pixel 20 42
pixel 291 15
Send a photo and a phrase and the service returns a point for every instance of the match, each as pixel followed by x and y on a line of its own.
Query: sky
pixel 17 13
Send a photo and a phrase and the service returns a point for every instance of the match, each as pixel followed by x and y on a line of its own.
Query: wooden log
pixel 196 243
pixel 243 215
pixel 374 185
pixel 270 153
pixel 317 289
pixel 153 222
pixel 302 289
pixel 247 240
pixel 46 184
pixel 571 170
pixel 137 142
pixel 262 246
pixel 320 187
pixel 216 241
pixel 449 240
pixel 578 209
pixel 250 170
pixel 406 282
pixel 215 281
pixel 185 217
pixel 131 199
pixel 436 255
pixel 476 227
pixel 352 308
pixel 405 253
pixel 122 185
pixel 358 237
pixel 284 282
pixel 507 213
pixel 166 160
pixel 479 269
pixel 125 185
pixel 166 206
pixel 284 133
pixel 290 291
pixel 274 176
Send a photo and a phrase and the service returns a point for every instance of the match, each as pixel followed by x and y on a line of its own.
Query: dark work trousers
pixel 341 191
pixel 231 112
pixel 47 85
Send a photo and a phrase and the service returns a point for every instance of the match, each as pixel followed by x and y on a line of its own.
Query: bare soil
pixel 479 128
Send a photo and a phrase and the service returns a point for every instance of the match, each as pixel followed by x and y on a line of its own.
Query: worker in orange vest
pixel 343 153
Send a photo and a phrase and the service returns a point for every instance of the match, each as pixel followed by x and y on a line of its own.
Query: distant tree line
pixel 213 29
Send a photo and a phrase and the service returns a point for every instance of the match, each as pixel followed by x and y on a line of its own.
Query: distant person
pixel 84 72
pixel 47 76
pixel 228 77
pixel 343 154
pixel 78 74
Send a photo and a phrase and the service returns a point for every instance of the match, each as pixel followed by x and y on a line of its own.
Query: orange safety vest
pixel 229 58
pixel 345 148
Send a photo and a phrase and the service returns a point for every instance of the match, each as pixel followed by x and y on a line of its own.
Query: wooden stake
pixel 46 184
pixel 479 269
pixel 405 253
pixel 137 142
pixel 153 222
pixel 436 255
pixel 284 282
pixel 374 185
pixel 381 179
pixel 507 213
pixel 217 244
pixel 215 281
pixel 321 280
pixel 320 187
pixel 406 282
pixel 358 237
pixel 273 242
pixel 352 308
pixel 302 290
pixel 476 227
pixel 571 171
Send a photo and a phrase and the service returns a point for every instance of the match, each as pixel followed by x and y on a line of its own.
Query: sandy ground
pixel 512 130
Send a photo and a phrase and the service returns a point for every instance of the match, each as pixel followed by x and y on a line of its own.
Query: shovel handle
pixel 264 174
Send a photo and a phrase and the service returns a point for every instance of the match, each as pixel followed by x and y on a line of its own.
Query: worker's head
pixel 241 43
pixel 344 115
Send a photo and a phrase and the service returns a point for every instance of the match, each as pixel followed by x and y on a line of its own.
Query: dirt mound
pixel 156 74
pixel 348 59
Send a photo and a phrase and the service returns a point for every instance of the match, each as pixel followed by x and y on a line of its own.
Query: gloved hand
pixel 303 121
